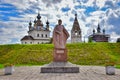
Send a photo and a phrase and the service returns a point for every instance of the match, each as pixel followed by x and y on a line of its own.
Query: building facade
pixel 37 33
pixel 99 36
pixel 76 31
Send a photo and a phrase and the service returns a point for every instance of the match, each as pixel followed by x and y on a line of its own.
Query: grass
pixel 1 66
pixel 94 53
pixel 118 66
pixel 79 53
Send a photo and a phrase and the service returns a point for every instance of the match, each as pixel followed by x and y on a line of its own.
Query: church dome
pixel 38 17
pixel 30 23
pixel 47 22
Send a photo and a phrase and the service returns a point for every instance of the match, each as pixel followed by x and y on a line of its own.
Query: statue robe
pixel 60 36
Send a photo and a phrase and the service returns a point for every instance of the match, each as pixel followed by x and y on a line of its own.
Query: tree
pixel 90 39
pixel 118 40
pixel 51 40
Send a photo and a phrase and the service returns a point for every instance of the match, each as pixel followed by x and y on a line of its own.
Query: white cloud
pixel 11 30
pixel 17 3
pixel 100 3
pixel 114 37
pixel 51 10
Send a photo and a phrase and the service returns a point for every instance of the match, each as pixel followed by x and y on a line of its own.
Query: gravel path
pixel 86 73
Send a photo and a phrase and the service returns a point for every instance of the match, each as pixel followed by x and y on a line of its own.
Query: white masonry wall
pixel 75 37
pixel 35 41
pixel 39 37
pixel 40 34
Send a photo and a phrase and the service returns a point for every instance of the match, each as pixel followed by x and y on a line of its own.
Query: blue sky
pixel 16 14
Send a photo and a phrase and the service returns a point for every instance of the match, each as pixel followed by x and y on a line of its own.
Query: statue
pixel 60 35
pixel 60 64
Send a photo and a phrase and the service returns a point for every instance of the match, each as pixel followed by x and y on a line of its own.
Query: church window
pixel 38 42
pixel 30 42
pixel 75 32
pixel 41 35
pixel 25 42
pixel 37 35
pixel 38 27
pixel 79 33
pixel 46 35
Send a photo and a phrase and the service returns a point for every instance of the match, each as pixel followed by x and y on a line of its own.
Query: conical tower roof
pixel 76 26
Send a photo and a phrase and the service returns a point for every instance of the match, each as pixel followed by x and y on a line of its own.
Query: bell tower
pixel 76 31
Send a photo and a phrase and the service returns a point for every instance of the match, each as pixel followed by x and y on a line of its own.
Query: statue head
pixel 59 21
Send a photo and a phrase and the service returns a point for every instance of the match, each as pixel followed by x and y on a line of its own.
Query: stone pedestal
pixel 60 67
pixel 60 64
pixel 60 55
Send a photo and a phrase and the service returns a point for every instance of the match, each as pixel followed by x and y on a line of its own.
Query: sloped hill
pixel 79 53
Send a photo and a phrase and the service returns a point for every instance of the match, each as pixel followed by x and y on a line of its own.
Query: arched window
pixel 30 42
pixel 38 27
pixel 79 32
pixel 25 42
pixel 37 35
pixel 41 35
pixel 46 35
pixel 76 33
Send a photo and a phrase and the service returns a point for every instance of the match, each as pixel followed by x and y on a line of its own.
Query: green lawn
pixel 118 66
pixel 79 53
pixel 1 66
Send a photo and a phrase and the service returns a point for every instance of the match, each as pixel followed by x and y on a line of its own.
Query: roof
pixel 76 26
pixel 100 34
pixel 27 38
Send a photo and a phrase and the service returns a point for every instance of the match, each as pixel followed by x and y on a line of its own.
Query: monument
pixel 60 64
pixel 60 36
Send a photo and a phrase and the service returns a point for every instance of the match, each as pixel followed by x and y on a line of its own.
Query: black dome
pixel 38 17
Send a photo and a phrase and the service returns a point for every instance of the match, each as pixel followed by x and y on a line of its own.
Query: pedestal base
pixel 60 67
pixel 60 55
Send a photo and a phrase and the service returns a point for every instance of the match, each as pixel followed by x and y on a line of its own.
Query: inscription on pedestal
pixel 60 51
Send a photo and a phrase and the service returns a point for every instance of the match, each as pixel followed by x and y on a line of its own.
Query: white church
pixel 37 33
